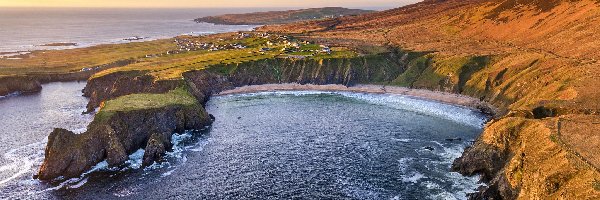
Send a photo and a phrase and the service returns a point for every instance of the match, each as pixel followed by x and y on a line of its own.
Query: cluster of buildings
pixel 287 45
pixel 190 45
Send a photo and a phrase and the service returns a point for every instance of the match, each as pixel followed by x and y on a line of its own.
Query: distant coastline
pixel 39 30
pixel 281 17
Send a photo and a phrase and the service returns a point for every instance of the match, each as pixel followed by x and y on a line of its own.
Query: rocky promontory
pixel 32 82
pixel 23 84
pixel 121 127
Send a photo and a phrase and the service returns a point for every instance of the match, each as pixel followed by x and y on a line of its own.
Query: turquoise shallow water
pixel 303 145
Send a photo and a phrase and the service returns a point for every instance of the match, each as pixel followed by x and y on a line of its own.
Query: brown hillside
pixel 536 60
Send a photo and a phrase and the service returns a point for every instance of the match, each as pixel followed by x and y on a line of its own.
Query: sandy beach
pixel 444 97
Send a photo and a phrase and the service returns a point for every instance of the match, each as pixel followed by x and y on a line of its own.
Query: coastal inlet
pixel 293 144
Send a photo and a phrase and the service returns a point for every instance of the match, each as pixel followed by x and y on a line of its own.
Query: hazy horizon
pixel 381 4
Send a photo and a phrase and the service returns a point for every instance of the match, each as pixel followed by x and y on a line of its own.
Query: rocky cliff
pixel 128 120
pixel 381 68
pixel 24 84
pixel 32 82
pixel 117 132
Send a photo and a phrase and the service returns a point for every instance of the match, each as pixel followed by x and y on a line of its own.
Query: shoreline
pixel 5 54
pixel 442 97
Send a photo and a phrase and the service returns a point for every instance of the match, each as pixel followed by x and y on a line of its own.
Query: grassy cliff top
pixel 168 58
pixel 196 53
pixel 74 60
pixel 133 102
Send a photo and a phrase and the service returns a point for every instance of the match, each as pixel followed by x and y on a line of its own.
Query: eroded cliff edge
pixel 138 112
pixel 32 82
pixel 121 127
pixel 519 146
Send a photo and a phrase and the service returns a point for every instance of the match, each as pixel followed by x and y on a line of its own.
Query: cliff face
pixel 124 83
pixel 514 149
pixel 113 138
pixel 381 68
pixel 33 82
pixel 119 130
pixel 10 85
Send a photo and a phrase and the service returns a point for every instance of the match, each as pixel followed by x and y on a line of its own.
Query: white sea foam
pixel 458 114
pixel 10 95
pixel 404 140
pixel 135 160
pixel 413 178
pixel 22 160
pixel 168 173
pixel 462 185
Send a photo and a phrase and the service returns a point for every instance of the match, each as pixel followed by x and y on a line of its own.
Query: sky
pixel 205 3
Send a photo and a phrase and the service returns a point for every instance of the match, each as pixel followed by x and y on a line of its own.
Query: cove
pixel 305 144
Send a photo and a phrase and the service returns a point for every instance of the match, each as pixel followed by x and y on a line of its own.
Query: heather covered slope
pixel 536 60
pixel 562 27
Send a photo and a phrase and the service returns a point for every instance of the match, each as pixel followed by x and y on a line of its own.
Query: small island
pixel 281 17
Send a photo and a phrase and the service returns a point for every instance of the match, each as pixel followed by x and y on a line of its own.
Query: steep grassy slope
pixel 535 60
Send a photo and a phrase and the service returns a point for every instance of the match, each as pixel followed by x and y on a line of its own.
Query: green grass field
pixel 179 96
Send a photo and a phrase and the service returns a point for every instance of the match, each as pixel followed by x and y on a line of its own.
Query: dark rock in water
pixel 488 161
pixel 113 139
pixel 453 139
pixel 155 149
pixel 429 148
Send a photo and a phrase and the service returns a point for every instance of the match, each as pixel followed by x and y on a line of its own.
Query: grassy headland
pixel 179 96
pixel 280 17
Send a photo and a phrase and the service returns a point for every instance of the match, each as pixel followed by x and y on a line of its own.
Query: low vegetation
pixel 177 97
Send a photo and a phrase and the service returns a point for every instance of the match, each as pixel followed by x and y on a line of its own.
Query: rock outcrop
pixel 32 82
pixel 381 68
pixel 124 83
pixel 113 138
pixel 23 84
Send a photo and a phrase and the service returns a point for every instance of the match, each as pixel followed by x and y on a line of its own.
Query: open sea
pixel 282 145
pixel 27 29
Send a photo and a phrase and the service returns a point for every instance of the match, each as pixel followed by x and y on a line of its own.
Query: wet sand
pixel 444 97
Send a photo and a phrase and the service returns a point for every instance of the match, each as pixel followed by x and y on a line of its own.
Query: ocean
pixel 27 29
pixel 272 145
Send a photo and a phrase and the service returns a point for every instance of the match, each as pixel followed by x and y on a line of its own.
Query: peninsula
pixel 281 17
